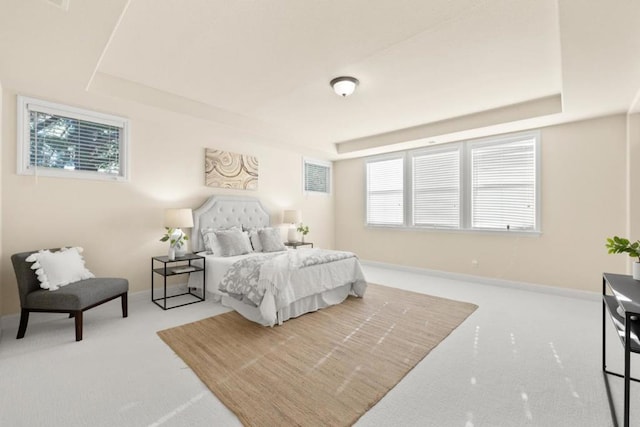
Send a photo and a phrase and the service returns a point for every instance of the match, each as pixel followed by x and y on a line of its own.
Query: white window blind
pixel 57 140
pixel 436 188
pixel 317 176
pixel 385 191
pixel 503 185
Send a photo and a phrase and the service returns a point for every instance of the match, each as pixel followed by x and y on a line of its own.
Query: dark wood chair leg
pixel 125 306
pixel 24 319
pixel 78 316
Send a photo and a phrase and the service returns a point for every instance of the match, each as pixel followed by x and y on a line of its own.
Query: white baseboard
pixel 531 287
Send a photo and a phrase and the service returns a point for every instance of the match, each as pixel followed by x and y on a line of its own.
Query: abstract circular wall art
pixel 224 169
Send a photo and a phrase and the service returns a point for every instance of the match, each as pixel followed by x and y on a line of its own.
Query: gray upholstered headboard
pixel 225 212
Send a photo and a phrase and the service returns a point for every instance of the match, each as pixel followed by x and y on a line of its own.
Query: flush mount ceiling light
pixel 344 86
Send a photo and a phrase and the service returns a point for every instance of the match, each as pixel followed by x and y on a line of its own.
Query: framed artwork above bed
pixel 224 169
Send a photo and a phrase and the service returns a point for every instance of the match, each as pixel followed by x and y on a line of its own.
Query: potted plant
pixel 304 229
pixel 619 245
pixel 176 238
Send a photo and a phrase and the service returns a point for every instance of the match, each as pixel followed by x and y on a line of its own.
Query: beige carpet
pixel 322 369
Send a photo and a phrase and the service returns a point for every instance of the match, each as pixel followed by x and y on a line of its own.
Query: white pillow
pixel 271 240
pixel 210 241
pixel 255 239
pixel 55 269
pixel 233 242
pixel 211 244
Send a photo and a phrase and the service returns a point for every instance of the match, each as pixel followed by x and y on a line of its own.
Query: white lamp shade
pixel 344 86
pixel 291 217
pixel 178 218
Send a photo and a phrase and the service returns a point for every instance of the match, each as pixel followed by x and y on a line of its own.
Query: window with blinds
pixel 436 188
pixel 490 184
pixel 317 176
pixel 385 191
pixel 503 185
pixel 57 140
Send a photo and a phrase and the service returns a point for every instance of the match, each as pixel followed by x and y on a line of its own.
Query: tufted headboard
pixel 225 212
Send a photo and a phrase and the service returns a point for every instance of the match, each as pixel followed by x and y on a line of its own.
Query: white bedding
pixel 311 288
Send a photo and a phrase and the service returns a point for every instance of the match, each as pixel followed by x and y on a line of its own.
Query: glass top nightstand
pixel 179 265
pixel 296 245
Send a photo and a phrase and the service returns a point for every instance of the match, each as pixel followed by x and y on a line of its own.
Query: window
pixel 503 185
pixel 489 184
pixel 436 188
pixel 385 191
pixel 317 176
pixel 63 141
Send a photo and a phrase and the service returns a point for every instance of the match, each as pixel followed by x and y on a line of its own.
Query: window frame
pixel 25 105
pixel 505 139
pixel 465 184
pixel 324 163
pixel 410 156
pixel 382 158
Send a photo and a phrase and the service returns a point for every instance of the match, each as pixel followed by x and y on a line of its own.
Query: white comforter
pixel 286 279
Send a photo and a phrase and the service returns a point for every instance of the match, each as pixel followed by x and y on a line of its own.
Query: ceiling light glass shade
pixel 344 86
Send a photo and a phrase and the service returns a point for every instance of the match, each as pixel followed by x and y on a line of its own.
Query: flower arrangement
pixel 176 237
pixel 304 229
pixel 620 245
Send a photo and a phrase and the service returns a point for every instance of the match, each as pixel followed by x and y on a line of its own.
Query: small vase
pixel 303 238
pixel 172 253
pixel 181 251
pixel 636 270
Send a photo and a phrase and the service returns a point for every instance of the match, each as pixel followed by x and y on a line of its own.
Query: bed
pixel 286 284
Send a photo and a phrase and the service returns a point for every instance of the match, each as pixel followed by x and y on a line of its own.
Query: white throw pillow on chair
pixel 55 269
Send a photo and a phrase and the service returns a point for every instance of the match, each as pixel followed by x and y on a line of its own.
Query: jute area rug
pixel 322 369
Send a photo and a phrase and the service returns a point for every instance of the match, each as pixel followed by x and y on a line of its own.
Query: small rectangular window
pixel 385 191
pixel 63 141
pixel 317 176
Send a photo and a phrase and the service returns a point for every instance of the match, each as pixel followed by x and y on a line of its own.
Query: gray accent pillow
pixel 271 240
pixel 233 242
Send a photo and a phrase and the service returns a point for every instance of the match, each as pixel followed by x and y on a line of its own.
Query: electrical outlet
pixel 474 263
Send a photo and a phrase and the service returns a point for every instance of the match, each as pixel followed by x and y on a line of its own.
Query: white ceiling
pixel 265 65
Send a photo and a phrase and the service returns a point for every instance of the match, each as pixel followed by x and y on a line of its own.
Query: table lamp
pixel 291 217
pixel 177 219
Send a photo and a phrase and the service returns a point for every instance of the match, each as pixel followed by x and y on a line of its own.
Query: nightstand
pixel 180 265
pixel 296 245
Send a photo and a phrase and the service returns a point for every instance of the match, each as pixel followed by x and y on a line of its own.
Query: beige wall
pixel 583 202
pixel 633 147
pixel 1 252
pixel 119 224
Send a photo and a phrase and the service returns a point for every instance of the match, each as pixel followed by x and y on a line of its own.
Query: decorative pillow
pixel 211 244
pixel 210 241
pixel 255 239
pixel 271 240
pixel 233 242
pixel 55 269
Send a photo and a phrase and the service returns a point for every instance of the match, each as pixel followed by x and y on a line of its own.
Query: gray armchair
pixel 74 298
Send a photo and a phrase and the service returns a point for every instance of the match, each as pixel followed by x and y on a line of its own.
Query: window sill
pixel 520 233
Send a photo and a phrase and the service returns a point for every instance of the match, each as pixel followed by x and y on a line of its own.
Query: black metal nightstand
pixel 182 266
pixel 296 245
